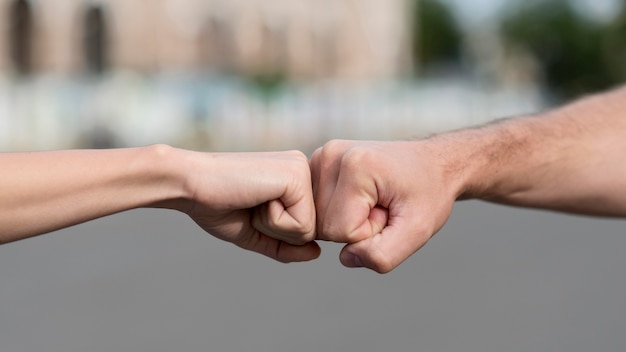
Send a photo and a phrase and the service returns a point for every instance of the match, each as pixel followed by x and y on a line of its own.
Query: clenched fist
pixel 384 199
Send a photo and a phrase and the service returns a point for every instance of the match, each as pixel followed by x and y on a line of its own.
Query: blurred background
pixel 251 74
pixel 234 75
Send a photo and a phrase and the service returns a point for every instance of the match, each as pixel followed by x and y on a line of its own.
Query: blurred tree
pixel 615 45
pixel 567 44
pixel 436 35
pixel 267 85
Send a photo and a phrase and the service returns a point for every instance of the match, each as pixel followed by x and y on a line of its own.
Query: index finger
pixel 353 213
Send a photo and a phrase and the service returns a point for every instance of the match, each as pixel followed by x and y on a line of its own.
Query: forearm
pixel 570 159
pixel 45 191
pixel 387 199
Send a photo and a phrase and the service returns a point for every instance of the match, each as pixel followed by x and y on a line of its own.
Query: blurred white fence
pixel 214 113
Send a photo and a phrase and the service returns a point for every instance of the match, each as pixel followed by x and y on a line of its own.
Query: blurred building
pixel 301 40
pixel 89 73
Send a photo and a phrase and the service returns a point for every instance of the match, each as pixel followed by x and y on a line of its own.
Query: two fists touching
pixel 383 199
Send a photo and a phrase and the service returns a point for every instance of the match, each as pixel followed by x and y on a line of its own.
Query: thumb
pixel 275 220
pixel 386 250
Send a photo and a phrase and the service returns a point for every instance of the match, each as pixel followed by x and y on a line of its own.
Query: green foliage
pixel 267 84
pixel 436 33
pixel 568 45
pixel 615 46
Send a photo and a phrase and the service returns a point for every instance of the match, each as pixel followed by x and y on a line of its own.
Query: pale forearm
pixel 259 201
pixel 570 159
pixel 45 191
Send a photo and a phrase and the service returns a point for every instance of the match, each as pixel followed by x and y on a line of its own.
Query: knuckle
pixel 309 237
pixel 297 154
pixel 307 227
pixel 354 236
pixel 334 144
pixel 383 269
pixel 315 158
pixel 318 151
pixel 333 148
pixel 333 232
pixel 379 261
pixel 356 158
pixel 294 162
pixel 381 265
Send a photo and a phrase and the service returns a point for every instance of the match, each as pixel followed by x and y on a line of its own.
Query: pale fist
pixel 259 201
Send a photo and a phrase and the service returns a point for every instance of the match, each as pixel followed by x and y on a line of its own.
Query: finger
pixel 315 166
pixel 295 219
pixel 350 216
pixel 386 250
pixel 274 220
pixel 323 184
pixel 378 218
pixel 326 165
pixel 280 250
pixel 295 211
pixel 291 215
pixel 287 253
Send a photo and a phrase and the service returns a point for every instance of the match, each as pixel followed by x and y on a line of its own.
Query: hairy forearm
pixel 44 191
pixel 569 159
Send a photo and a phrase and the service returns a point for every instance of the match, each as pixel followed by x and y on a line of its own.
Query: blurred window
pixel 216 45
pixel 274 47
pixel 95 40
pixel 20 33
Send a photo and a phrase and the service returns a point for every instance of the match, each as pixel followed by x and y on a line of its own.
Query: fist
pixel 259 201
pixel 384 199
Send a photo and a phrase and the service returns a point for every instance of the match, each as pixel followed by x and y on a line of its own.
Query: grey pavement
pixel 494 279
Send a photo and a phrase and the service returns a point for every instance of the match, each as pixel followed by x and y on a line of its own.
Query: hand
pixel 385 199
pixel 259 201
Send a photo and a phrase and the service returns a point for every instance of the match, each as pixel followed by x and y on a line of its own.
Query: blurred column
pixel 300 50
pixel 274 51
pixel 20 36
pixel 95 40
pixel 251 40
pixel 216 45
pixel 134 32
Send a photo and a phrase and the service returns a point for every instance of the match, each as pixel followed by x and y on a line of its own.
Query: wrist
pixel 479 161
pixel 451 155
pixel 166 169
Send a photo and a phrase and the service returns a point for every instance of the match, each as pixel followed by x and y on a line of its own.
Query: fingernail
pixel 352 261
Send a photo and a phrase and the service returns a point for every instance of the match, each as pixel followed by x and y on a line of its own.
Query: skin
pixel 258 201
pixel 387 199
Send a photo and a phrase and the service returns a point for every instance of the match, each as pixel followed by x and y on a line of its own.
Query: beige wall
pixel 362 39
